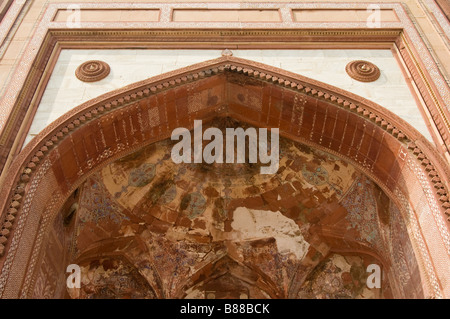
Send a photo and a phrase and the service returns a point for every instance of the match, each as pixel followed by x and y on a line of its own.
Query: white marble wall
pixel 64 91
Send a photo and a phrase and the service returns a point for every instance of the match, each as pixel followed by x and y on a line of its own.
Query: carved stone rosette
pixel 92 71
pixel 363 71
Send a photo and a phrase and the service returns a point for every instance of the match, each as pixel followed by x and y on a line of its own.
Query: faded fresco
pixel 145 227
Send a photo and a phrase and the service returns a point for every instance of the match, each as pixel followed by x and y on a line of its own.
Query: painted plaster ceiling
pixel 145 227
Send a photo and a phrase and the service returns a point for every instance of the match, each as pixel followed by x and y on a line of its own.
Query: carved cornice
pixel 333 34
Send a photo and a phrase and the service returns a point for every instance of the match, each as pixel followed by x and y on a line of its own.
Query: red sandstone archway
pixel 380 144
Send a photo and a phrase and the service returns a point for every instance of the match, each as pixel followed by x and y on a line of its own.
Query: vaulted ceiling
pixel 147 227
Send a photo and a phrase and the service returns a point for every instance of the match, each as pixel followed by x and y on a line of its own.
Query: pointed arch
pixel 118 248
pixel 226 266
pixel 383 146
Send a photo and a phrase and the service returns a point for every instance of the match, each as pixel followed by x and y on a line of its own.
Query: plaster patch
pixel 251 224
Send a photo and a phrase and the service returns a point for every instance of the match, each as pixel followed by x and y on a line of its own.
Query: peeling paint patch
pixel 249 224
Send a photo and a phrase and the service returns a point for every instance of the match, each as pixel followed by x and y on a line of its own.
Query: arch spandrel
pixel 377 142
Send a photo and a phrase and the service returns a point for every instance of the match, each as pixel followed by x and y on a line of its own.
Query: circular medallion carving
pixel 92 71
pixel 363 71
